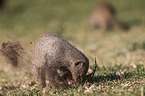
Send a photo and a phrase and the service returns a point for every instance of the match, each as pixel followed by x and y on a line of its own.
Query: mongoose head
pixel 79 70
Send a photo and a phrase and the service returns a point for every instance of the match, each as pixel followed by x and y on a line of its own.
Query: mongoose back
pixel 60 61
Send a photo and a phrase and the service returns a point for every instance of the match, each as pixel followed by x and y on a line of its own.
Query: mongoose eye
pixel 78 63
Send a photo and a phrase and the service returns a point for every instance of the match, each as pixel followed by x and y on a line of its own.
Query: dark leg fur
pixel 41 76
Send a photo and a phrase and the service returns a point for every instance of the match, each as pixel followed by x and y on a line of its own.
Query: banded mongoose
pixel 104 17
pixel 60 61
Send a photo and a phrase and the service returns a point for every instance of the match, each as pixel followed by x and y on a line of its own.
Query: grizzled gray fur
pixel 59 61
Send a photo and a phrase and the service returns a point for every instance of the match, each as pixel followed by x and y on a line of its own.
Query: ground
pixel 120 54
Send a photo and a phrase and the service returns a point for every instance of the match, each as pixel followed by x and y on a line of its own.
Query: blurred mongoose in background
pixel 104 17
pixel 59 61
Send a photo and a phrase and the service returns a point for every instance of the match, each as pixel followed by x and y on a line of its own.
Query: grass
pixel 120 55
